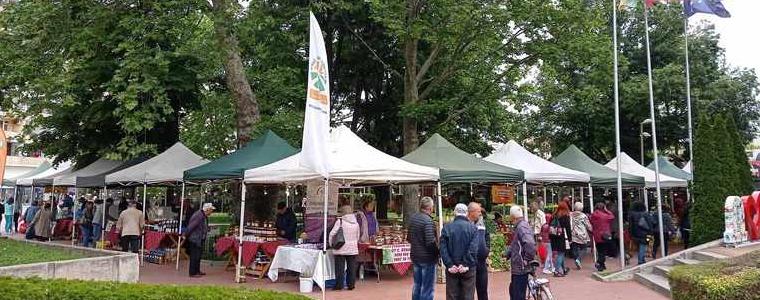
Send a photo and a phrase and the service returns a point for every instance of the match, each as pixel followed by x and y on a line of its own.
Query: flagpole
pixel 617 136
pixel 688 99
pixel 654 132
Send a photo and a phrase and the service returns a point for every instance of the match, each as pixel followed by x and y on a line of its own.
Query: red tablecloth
pixel 153 239
pixel 63 228
pixel 113 236
pixel 401 267
pixel 229 243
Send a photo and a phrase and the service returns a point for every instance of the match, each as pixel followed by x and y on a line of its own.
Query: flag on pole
pixel 713 7
pixel 316 127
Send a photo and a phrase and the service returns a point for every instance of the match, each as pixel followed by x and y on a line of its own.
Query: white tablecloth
pixel 308 262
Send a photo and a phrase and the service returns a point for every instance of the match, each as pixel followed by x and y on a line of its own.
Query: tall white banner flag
pixel 316 127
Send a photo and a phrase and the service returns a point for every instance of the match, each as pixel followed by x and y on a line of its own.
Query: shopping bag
pixel 542 253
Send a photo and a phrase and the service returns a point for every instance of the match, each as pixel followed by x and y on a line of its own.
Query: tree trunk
pixel 246 105
pixel 411 97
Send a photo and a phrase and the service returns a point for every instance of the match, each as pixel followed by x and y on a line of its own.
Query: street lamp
pixel 643 135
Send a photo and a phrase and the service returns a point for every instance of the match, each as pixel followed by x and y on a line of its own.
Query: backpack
pixel 643 223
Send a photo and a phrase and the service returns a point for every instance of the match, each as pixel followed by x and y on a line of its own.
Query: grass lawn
pixel 17 253
pixel 35 288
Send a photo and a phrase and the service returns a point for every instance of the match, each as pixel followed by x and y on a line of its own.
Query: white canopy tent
pixel 62 168
pixel 351 161
pixel 167 167
pixel 687 167
pixel 537 170
pixel 630 166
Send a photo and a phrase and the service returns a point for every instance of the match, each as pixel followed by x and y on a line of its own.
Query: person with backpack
pixel 640 226
pixel 346 229
pixel 580 234
pixel 28 217
pixel 667 226
pixel 560 233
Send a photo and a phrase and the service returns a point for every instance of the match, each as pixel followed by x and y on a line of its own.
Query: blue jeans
pixel 86 235
pixel 8 224
pixel 642 252
pixel 424 281
pixel 518 287
pixel 96 232
pixel 559 265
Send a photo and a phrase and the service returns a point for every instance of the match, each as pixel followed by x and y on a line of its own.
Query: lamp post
pixel 643 135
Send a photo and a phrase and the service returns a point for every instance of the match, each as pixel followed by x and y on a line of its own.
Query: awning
pixel 45 178
pixel 630 166
pixel 574 158
pixel 264 150
pixel 165 167
pixel 668 168
pixel 351 160
pixel 99 167
pixel 10 182
pixel 537 170
pixel 459 166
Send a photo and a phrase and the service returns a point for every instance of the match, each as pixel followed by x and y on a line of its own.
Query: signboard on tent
pixel 313 209
pixel 502 194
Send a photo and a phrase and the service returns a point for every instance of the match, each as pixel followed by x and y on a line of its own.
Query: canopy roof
pixel 668 168
pixel 350 159
pixel 687 167
pixel 630 166
pixel 537 170
pixel 46 177
pixel 574 158
pixel 44 166
pixel 99 180
pixel 99 167
pixel 458 166
pixel 165 167
pixel 264 150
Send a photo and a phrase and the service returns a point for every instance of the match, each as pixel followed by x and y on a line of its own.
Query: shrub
pixel 733 279
pixel 35 288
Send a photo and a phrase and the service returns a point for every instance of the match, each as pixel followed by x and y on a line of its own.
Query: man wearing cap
pixel 459 249
pixel 522 250
pixel 196 232
pixel 130 224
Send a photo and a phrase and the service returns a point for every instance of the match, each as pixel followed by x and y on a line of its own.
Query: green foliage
pixel 220 218
pixel 498 247
pixel 720 170
pixel 35 288
pixel 19 253
pixel 736 279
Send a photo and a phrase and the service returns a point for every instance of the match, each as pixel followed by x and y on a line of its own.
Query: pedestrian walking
pixel 97 220
pixel 422 237
pixel 10 209
pixel 601 221
pixel 459 252
pixel 685 226
pixel 668 230
pixel 476 215
pixel 522 251
pixel 29 215
pixel 560 234
pixel 130 224
pixel 640 226
pixel 545 239
pixel 41 221
pixel 580 235
pixel 197 230
pixel 345 256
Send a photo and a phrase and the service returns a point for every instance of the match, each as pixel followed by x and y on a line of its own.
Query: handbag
pixel 22 226
pixel 338 239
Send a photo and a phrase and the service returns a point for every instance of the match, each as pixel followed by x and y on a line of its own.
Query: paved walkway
pixel 578 285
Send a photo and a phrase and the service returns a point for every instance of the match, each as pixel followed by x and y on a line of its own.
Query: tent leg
pixel 440 208
pixel 179 226
pixel 572 195
pixel 583 200
pixel 591 204
pixel 646 198
pixel 239 269
pixel 324 238
pixel 545 194
pixel 103 220
pixel 73 226
pixel 144 208
pixel 525 196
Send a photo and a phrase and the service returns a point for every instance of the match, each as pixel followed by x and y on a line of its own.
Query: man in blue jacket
pixel 459 249
pixel 522 250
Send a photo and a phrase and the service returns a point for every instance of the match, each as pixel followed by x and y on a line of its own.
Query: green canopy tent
pixel 11 182
pixel 457 166
pixel 264 150
pixel 601 176
pixel 668 168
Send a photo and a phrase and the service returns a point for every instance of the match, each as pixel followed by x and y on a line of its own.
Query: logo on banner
pixel 318 81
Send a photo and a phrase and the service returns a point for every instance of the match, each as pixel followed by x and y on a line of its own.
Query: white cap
pixel 460 210
pixel 516 211
pixel 208 206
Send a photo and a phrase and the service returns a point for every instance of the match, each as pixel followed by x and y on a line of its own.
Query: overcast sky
pixel 739 34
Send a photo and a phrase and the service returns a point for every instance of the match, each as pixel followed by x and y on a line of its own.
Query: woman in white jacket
pixel 345 256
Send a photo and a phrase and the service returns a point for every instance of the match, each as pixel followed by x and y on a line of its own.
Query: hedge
pixel 35 288
pixel 716 280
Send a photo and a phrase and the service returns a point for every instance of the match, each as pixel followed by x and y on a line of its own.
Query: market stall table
pixel 306 260
pixel 397 256
pixel 153 240
pixel 230 243
pixel 63 228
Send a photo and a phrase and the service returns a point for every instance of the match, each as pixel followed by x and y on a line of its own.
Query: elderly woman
pixel 580 234
pixel 345 256
pixel 41 222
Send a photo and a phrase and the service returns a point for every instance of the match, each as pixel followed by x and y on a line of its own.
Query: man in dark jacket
pixel 286 222
pixel 640 226
pixel 459 249
pixel 424 250
pixel 521 252
pixel 476 215
pixel 197 229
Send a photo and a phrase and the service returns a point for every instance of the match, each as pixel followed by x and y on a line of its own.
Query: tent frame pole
pixel 142 237
pixel 239 269
pixel 324 237
pixel 103 220
pixel 525 196
pixel 179 225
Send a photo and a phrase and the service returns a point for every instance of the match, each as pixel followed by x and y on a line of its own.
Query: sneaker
pixel 577 264
pixel 548 272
